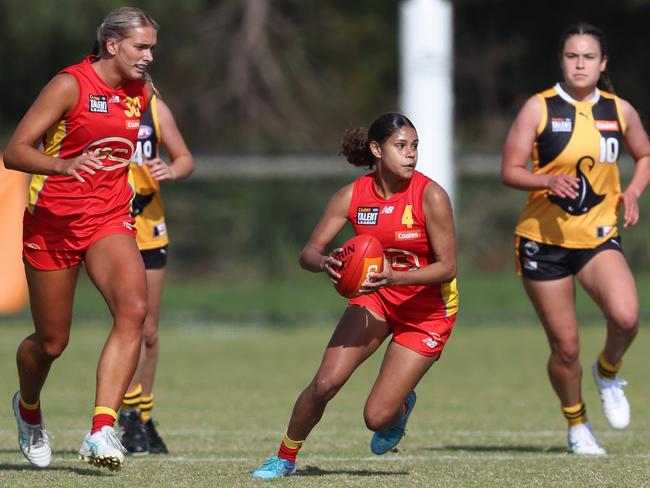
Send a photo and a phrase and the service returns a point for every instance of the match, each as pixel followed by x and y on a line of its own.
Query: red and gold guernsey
pixel 580 139
pixel 104 119
pixel 399 224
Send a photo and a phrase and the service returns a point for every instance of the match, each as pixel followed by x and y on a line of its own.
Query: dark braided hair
pixel 593 31
pixel 355 145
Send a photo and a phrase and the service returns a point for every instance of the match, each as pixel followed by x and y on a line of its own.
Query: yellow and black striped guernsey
pixel 581 139
pixel 147 206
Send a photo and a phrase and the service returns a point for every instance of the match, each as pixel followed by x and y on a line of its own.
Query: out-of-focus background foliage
pixel 262 90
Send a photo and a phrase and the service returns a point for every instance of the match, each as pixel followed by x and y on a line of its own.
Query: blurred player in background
pixel 139 433
pixel 568 227
pixel 79 211
pixel 414 298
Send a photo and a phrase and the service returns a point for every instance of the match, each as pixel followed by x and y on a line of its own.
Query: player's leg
pixel 609 281
pixel 139 432
pixel 554 302
pixel 149 359
pixel 115 266
pixel 392 397
pixel 51 297
pixel 358 334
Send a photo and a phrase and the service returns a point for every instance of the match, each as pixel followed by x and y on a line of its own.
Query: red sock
pixel 287 453
pixel 103 417
pixel 289 449
pixel 30 415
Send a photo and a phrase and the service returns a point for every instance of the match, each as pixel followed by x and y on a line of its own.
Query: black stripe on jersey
pixel 605 109
pixel 550 144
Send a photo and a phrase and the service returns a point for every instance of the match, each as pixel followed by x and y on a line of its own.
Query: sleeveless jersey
pixel 105 119
pixel 147 206
pixel 580 139
pixel 399 224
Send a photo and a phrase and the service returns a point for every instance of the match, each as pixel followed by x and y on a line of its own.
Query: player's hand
pixel 630 200
pixel 331 265
pixel 161 171
pixel 86 162
pixel 376 281
pixel 563 185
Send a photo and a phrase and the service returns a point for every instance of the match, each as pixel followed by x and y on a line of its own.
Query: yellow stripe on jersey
pixel 154 116
pixel 36 184
pixel 54 139
pixel 449 292
pixel 52 147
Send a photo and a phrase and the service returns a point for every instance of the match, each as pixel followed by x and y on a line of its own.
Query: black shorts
pixel 544 262
pixel 154 258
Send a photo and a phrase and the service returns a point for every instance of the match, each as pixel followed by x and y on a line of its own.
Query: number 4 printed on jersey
pixel 407 216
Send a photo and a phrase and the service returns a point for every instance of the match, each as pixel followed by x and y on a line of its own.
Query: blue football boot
pixel 384 441
pixel 274 467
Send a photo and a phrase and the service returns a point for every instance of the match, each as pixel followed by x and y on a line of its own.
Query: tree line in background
pixel 291 75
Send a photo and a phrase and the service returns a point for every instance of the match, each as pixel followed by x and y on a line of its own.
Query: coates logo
pixel 115 152
pixel 145 132
pixel 132 124
pixel 607 125
pixel 407 235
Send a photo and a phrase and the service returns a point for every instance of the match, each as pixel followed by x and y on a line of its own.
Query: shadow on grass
pixel 512 449
pixel 51 469
pixel 57 456
pixel 315 471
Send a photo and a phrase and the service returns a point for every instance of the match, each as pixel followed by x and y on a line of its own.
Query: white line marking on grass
pixel 304 461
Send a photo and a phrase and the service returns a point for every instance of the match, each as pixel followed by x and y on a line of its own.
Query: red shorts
pixel 47 249
pixel 426 336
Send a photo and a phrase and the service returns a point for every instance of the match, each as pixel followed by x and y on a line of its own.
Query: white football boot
pixel 582 441
pixel 34 440
pixel 103 449
pixel 615 405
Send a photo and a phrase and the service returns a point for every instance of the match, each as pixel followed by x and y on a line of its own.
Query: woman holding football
pixel 414 298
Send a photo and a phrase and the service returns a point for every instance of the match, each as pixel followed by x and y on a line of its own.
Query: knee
pixel 150 333
pixel 566 353
pixel 134 309
pixel 627 321
pixel 324 387
pixel 377 417
pixel 53 347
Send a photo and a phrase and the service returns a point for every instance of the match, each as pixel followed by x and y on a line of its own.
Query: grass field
pixel 486 415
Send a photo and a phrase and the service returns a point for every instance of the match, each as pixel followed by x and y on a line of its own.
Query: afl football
pixel 361 255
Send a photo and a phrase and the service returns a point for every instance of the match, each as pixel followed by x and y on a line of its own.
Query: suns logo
pixel 115 152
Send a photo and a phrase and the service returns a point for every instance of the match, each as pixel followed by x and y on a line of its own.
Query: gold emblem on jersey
pixel 116 151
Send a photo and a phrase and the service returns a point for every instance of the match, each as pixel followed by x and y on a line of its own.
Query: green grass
pixel 486 415
pixel 309 297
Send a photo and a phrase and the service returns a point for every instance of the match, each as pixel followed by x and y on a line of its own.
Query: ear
pixel 603 64
pixel 375 149
pixel 112 46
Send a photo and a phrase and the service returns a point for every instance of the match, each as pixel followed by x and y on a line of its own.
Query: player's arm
pixel 442 238
pixel 517 150
pixel 56 99
pixel 313 256
pixel 182 163
pixel 636 140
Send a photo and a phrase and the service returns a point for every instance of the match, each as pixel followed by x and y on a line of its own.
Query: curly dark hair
pixel 355 145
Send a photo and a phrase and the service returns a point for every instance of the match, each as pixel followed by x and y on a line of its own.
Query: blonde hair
pixel 117 24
